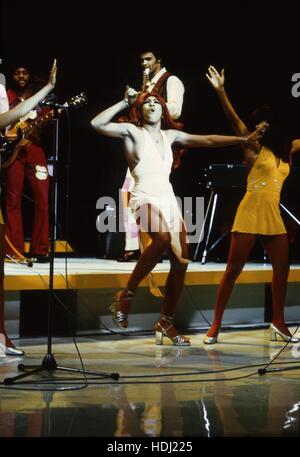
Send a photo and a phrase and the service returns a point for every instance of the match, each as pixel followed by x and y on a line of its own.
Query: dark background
pixel 97 45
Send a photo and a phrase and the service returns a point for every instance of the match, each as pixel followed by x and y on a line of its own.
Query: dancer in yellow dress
pixel 257 214
pixel 149 155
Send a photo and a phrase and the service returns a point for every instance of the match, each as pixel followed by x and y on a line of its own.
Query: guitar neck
pixel 27 128
pixel 28 125
pixel 146 79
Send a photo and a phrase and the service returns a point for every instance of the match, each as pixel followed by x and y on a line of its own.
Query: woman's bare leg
pixel 240 247
pixel 278 250
pixel 175 280
pixel 157 229
pixel 152 223
pixel 173 290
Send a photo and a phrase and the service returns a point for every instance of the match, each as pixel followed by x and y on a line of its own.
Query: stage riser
pixel 247 306
pixel 116 280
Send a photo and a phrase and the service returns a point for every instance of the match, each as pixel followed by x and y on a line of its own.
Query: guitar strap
pixel 160 86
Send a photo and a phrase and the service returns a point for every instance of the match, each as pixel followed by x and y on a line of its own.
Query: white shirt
pixel 175 91
pixel 4 106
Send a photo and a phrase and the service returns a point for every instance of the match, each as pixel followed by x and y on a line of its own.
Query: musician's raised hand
pixel 216 79
pixel 52 76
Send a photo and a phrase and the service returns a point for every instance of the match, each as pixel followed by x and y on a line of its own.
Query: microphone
pixel 52 104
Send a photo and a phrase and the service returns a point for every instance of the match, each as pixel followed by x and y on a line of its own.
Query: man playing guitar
pixel 31 162
pixel 7 347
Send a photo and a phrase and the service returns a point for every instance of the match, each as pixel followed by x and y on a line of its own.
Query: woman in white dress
pixel 148 152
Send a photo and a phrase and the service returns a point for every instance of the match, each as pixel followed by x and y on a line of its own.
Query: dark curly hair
pixel 276 137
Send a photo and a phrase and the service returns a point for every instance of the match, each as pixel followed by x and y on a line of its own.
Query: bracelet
pixel 126 102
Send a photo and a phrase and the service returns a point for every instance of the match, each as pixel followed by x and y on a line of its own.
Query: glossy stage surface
pixel 163 391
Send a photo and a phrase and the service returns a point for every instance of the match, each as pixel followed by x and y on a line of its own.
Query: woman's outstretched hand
pixel 130 95
pixel 255 136
pixel 216 79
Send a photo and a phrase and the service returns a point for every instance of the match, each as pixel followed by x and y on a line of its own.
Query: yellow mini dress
pixel 259 212
pixel 1 218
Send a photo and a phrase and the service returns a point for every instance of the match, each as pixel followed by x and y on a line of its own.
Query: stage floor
pixel 163 391
pixel 91 273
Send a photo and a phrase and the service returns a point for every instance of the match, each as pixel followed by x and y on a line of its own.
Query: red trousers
pixel 31 162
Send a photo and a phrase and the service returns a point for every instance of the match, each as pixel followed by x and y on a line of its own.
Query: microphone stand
pixel 49 363
pixel 263 371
